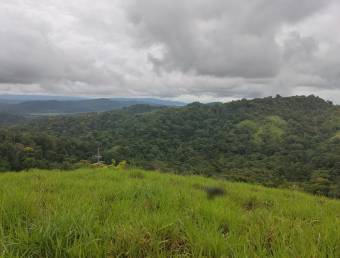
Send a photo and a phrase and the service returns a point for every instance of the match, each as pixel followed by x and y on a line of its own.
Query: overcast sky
pixel 183 49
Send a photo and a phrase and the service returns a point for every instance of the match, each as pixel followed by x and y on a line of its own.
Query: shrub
pixel 122 164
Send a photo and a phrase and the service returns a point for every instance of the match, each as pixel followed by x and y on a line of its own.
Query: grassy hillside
pixel 133 213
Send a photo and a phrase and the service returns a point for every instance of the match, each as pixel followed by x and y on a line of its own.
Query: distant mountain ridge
pixel 66 106
pixel 14 99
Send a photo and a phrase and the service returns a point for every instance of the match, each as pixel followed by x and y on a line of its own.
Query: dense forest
pixel 280 142
pixel 9 119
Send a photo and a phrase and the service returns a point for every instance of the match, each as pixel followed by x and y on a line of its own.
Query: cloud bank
pixel 184 49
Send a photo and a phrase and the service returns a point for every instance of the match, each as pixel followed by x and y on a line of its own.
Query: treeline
pixel 281 142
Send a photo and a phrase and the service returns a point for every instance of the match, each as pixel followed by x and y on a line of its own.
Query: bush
pixel 122 164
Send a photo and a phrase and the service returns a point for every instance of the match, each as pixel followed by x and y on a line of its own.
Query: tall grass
pixel 133 213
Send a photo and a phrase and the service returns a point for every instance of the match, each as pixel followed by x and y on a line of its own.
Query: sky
pixel 189 50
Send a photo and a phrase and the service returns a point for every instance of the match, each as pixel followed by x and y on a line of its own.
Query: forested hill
pixel 292 141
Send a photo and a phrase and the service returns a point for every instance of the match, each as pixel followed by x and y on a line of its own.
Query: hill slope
pixel 274 141
pixel 133 213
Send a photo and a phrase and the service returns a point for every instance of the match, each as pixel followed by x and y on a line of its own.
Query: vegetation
pixel 133 213
pixel 10 119
pixel 284 142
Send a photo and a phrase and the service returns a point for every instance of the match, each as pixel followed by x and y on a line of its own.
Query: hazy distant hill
pixel 14 99
pixel 38 107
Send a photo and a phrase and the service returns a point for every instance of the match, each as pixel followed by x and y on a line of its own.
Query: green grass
pixel 133 213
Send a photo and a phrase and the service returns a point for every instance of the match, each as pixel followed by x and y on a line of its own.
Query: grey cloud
pixel 179 48
pixel 330 67
pixel 26 56
pixel 38 49
pixel 305 64
pixel 218 38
